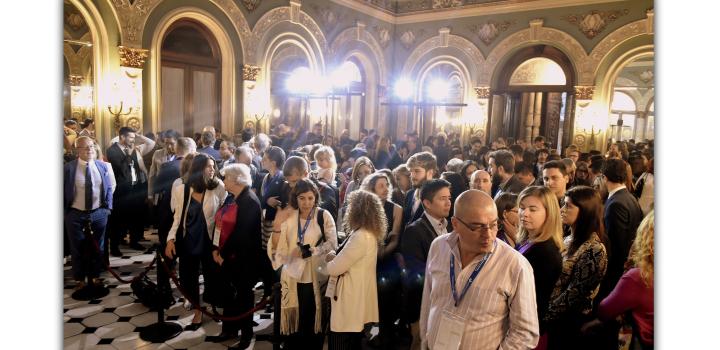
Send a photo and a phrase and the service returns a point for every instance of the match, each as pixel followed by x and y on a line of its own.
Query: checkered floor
pixel 114 321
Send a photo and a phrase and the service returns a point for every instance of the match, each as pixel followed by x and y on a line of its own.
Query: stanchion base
pixel 90 292
pixel 160 332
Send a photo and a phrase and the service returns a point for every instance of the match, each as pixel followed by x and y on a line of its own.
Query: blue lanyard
pixel 301 233
pixel 265 189
pixel 474 274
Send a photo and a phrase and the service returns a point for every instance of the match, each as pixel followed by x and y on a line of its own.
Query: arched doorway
pixel 190 78
pixel 534 97
pixel 291 81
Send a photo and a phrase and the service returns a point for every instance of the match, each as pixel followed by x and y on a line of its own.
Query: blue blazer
pixel 69 184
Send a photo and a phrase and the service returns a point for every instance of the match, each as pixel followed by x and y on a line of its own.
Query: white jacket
pixel 356 290
pixel 212 201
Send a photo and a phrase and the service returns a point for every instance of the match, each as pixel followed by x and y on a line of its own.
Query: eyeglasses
pixel 481 227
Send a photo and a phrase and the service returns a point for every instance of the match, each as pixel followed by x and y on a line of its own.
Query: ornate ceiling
pixel 409 6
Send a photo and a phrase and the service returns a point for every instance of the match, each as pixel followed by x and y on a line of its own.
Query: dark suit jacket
pixel 513 185
pixel 167 174
pixel 407 209
pixel 242 250
pixel 272 188
pixel 546 261
pixel 69 171
pixel 121 167
pixel 414 248
pixel 622 218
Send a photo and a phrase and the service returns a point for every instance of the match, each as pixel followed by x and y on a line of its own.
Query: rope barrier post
pixel 162 330
pixel 276 340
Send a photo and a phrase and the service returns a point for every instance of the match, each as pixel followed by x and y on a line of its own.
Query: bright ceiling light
pixel 403 88
pixel 438 90
pixel 297 83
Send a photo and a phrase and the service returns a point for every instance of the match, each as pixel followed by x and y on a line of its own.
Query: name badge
pixel 450 332
pixel 216 235
pixel 331 285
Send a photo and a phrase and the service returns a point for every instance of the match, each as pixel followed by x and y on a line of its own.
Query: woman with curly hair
pixel 352 268
pixel 635 290
pixel 583 268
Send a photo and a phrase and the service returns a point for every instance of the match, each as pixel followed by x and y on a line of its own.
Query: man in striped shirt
pixel 494 294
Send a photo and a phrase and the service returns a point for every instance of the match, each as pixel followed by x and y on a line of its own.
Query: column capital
pixel 132 57
pixel 584 92
pixel 250 72
pixel 482 92
pixel 75 80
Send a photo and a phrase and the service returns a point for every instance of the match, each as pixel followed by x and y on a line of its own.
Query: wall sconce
pixel 117 113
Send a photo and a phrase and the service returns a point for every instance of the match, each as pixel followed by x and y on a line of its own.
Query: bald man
pixel 493 303
pixel 481 180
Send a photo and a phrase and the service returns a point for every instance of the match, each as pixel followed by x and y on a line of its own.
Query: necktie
pixel 88 188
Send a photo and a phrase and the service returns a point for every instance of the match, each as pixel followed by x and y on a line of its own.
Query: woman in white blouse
pixel 195 203
pixel 352 270
pixel 299 250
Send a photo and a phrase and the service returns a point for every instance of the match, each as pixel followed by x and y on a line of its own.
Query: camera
pixel 305 250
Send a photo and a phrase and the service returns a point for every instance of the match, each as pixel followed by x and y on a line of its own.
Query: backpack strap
pixel 321 222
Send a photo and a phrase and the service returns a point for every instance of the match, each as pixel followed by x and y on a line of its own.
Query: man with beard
pixel 502 169
pixel 423 167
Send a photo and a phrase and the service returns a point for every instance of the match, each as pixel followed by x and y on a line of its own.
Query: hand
pixel 273 201
pixel 510 229
pixel 330 256
pixel 218 259
pixel 170 249
pixel 296 252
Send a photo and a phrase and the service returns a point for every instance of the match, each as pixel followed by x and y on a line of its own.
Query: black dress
pixel 546 261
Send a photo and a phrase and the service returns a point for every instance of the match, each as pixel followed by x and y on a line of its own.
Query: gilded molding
pixel 594 22
pixel 584 92
pixel 132 57
pixel 250 72
pixel 75 80
pixel 482 92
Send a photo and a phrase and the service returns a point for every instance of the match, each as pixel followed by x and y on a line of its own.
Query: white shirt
pixel 499 307
pixel 440 226
pixel 611 193
pixel 79 201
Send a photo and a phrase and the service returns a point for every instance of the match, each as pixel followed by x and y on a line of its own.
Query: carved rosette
pixel 75 80
pixel 593 23
pixel 482 92
pixel 250 72
pixel 488 31
pixel 584 92
pixel 132 57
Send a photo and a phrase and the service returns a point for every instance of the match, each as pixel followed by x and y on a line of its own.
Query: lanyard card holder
pixel 450 332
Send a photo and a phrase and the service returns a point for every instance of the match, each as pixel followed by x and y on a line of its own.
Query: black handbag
pixel 150 294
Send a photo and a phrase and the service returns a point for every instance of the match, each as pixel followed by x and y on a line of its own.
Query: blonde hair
pixel 552 227
pixel 365 210
pixel 358 163
pixel 326 152
pixel 642 252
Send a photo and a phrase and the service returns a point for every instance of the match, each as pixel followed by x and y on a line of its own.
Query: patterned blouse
pixel 579 280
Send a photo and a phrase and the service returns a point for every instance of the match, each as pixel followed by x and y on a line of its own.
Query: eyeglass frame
pixel 483 227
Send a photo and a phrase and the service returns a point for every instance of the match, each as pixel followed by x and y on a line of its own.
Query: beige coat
pixel 357 302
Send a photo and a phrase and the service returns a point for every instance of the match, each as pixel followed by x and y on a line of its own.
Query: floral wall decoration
pixel 594 22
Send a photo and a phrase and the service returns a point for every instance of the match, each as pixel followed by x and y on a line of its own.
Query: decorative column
pixel 478 124
pixel 127 100
pixel 255 105
pixel 81 98
pixel 537 114
pixel 588 127
pixel 529 101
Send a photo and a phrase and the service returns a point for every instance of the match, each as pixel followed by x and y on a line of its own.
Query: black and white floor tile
pixel 114 321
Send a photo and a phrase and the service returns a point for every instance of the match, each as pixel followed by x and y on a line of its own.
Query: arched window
pixel 623 107
pixel 348 84
pixel 538 71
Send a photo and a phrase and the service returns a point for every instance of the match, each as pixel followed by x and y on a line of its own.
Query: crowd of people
pixel 510 245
